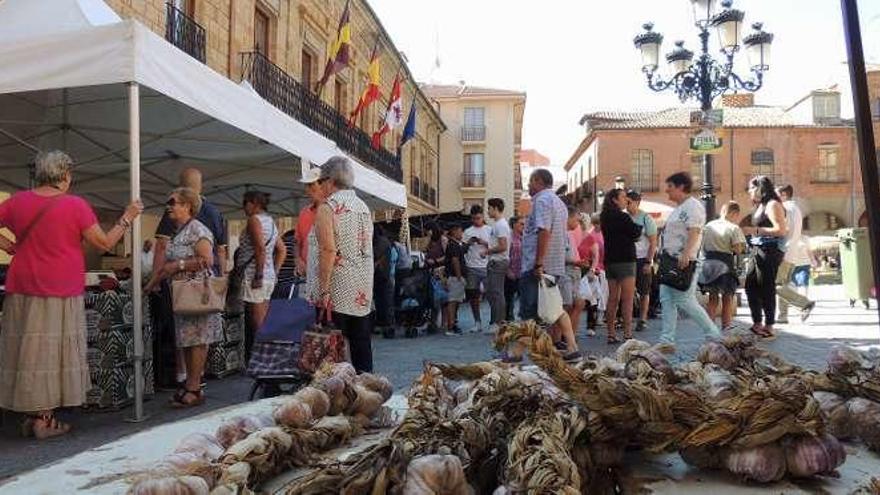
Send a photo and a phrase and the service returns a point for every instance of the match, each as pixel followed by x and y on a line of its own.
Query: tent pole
pixel 134 136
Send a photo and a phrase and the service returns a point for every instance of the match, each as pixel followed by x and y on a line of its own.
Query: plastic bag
pixel 549 300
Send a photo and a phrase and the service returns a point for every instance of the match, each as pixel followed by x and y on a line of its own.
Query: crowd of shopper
pixel 606 265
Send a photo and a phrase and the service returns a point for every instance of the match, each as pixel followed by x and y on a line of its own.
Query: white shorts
pixel 256 296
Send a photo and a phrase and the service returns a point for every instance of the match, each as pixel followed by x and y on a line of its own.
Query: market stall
pixel 133 110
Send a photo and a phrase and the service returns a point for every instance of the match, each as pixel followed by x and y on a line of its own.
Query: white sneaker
pixel 492 330
pixel 591 332
pixel 478 328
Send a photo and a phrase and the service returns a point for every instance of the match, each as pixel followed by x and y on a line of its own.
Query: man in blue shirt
pixel 543 252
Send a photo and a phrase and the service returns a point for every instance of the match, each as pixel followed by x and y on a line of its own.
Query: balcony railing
pixel 184 32
pixel 290 96
pixel 473 133
pixel 828 176
pixel 473 180
pixel 422 190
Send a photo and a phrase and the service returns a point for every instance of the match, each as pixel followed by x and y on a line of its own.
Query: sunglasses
pixel 173 202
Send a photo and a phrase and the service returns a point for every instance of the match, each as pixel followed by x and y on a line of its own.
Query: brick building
pixel 281 47
pixel 807 144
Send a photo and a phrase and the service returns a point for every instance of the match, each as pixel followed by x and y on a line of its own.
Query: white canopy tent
pixel 133 110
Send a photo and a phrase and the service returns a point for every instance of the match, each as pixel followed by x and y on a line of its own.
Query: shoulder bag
pixel 671 275
pixel 198 297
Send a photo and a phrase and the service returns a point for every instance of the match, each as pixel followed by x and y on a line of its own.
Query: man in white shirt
pixel 476 258
pixel 681 241
pixel 499 262
pixel 796 260
pixel 147 260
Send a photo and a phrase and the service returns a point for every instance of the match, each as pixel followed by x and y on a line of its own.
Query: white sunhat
pixel 311 175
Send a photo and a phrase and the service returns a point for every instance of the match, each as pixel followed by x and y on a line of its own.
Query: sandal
pixel 181 402
pixel 51 427
pixel 27 426
pixel 612 339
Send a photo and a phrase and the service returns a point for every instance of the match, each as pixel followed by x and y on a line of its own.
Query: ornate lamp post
pixel 706 78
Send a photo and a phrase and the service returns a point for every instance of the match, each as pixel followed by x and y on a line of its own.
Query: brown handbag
pixel 199 297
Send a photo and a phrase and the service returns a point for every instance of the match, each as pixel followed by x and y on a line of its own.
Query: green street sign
pixel 705 143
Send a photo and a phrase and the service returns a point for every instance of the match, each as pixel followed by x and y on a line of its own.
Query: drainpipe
pixel 732 182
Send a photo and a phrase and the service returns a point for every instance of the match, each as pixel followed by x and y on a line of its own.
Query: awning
pixel 119 98
pixel 66 89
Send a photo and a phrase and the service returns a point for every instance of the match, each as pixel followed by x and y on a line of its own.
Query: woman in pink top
pixel 43 343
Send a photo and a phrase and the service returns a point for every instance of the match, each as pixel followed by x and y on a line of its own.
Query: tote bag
pixel 549 300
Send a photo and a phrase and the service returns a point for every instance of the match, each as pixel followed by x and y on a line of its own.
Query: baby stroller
pixel 412 301
pixel 275 355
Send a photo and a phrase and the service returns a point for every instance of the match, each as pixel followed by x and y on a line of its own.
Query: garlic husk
pixel 180 485
pixel 844 359
pixel 716 353
pixel 838 421
pixel 763 464
pixel 701 457
pixel 317 400
pixel 864 417
pixel 719 383
pixel 807 456
pixel 201 444
pixel 294 413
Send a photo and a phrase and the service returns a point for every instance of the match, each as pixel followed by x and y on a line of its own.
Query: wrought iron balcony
pixel 473 133
pixel 289 95
pixel 184 32
pixel 473 180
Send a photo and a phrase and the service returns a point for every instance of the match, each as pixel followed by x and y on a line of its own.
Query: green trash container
pixel 855 264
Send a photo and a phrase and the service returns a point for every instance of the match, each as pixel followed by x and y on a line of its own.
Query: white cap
pixel 311 175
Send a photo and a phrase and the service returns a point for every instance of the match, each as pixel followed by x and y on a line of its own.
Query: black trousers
pixel 511 289
pixel 359 332
pixel 761 285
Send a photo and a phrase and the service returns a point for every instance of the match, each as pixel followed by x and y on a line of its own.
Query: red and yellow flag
pixel 340 50
pixel 371 92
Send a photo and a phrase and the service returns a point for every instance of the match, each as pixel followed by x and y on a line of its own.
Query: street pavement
pixel 402 359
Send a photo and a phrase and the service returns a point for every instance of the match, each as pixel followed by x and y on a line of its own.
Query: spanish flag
pixel 339 51
pixel 371 92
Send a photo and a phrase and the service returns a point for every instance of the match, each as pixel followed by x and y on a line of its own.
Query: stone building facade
pixel 293 38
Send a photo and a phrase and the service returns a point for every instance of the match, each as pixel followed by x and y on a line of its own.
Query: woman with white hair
pixel 343 241
pixel 43 343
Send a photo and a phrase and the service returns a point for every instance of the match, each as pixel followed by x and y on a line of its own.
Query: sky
pixel 575 56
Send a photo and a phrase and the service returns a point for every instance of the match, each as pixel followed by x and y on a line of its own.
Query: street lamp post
pixel 707 78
